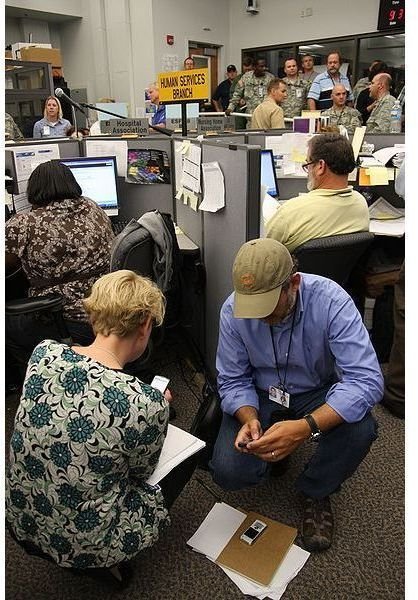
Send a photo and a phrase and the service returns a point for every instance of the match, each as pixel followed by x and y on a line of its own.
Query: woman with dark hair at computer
pixel 87 437
pixel 63 245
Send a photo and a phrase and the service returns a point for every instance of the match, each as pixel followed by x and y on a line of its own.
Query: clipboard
pixel 261 560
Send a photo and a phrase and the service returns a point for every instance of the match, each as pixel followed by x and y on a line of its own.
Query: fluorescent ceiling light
pixel 311 47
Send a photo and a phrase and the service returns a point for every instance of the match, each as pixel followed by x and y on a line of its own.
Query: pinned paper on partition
pixel 213 186
pixel 193 201
pixel 378 175
pixel 179 194
pixel 297 156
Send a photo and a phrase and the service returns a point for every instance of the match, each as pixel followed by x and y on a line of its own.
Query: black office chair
pixel 133 249
pixel 334 256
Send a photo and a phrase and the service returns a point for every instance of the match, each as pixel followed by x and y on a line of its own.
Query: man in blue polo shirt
pixel 319 95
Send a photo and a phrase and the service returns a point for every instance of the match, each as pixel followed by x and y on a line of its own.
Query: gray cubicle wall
pixel 189 220
pixel 226 230
pixel 136 199
pixel 68 148
pixel 291 186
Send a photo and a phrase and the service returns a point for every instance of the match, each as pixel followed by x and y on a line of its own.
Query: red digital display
pixel 391 15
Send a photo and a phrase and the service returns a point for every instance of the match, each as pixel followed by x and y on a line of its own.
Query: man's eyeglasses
pixel 306 165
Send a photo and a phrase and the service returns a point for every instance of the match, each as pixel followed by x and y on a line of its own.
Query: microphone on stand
pixel 59 93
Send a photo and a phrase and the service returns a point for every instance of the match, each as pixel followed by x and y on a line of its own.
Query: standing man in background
pixel 11 130
pixel 247 65
pixel 297 90
pixel 319 95
pixel 221 96
pixel 308 73
pixel 158 118
pixel 269 114
pixel 379 120
pixel 252 87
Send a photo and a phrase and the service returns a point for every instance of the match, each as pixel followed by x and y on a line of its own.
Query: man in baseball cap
pixel 220 98
pixel 294 363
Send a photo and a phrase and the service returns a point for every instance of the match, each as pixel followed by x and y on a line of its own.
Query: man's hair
pixel 340 58
pixel 58 104
pixel 52 181
pixel 259 59
pixel 378 67
pixel 121 301
pixel 335 150
pixel 275 83
pixel 247 61
pixel 305 55
pixel 290 58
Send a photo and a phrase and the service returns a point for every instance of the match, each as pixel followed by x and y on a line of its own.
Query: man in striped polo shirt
pixel 319 95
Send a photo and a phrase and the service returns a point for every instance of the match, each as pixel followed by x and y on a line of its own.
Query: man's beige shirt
pixel 317 214
pixel 267 115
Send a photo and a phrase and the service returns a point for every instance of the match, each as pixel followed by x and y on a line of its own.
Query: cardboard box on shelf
pixel 19 45
pixel 49 55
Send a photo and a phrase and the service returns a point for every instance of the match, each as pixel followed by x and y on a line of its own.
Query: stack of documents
pixel 178 446
pixel 215 533
pixel 385 219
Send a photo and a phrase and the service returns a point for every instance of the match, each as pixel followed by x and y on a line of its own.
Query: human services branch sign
pixel 178 86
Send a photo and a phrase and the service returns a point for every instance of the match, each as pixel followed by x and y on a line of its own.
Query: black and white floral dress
pixel 86 438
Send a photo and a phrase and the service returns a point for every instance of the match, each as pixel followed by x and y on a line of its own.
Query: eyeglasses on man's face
pixel 306 165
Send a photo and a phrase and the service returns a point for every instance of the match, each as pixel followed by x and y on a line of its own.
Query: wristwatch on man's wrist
pixel 315 431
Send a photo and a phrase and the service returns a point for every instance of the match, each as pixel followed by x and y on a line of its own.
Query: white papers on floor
pixel 213 187
pixel 178 446
pixel 215 532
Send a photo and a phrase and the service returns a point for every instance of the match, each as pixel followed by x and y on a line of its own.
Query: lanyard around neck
pixel 283 384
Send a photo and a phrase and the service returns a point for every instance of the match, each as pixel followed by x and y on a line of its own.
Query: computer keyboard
pixel 119 226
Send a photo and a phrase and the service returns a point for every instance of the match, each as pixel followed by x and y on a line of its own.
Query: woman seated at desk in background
pixel 87 437
pixel 63 245
pixel 52 125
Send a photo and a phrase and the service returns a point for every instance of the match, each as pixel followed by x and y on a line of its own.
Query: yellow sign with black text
pixel 177 86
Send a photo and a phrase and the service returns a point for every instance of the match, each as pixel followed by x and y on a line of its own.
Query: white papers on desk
pixel 178 446
pixel 392 227
pixel 213 187
pixel 289 151
pixel 381 209
pixel 118 148
pixel 215 532
pixel 385 154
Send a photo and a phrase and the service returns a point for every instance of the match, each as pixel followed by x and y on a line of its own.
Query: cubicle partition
pixel 190 221
pixel 67 148
pixel 136 198
pixel 226 230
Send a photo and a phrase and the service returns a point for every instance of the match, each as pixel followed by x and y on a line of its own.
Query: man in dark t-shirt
pixel 221 96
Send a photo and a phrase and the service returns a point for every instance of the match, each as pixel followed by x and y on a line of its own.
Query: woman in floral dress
pixel 87 437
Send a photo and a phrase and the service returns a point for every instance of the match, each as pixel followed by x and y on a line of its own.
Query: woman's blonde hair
pixel 121 301
pixel 58 103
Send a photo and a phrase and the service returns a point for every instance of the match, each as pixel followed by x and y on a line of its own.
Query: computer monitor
pixel 96 175
pixel 268 173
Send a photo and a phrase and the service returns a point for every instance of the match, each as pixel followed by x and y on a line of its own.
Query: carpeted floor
pixel 365 562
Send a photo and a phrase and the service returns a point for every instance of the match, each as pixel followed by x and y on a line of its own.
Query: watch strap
pixel 313 425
